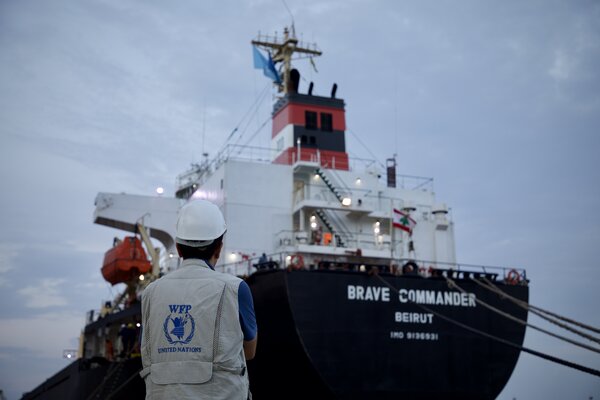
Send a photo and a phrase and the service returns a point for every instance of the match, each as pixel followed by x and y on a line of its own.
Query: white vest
pixel 192 345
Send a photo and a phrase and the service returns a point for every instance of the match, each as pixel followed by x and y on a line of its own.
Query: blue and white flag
pixel 267 65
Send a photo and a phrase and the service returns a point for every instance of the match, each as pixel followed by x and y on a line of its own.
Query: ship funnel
pixel 294 81
pixel 310 88
pixel 391 172
pixel 333 90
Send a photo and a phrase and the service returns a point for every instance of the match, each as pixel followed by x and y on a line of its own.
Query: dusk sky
pixel 498 101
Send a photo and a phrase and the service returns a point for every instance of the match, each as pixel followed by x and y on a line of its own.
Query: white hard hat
pixel 200 222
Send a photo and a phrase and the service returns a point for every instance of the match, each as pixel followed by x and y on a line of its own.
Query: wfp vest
pixel 192 344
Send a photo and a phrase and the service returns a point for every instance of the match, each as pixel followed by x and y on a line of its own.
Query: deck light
pixel 346 201
pixel 363 268
pixel 69 354
pixel 160 190
pixel 141 278
pixel 313 218
pixel 313 225
pixel 316 177
pixel 138 324
pixel 358 181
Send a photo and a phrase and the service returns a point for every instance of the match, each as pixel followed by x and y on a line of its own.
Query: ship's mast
pixel 283 50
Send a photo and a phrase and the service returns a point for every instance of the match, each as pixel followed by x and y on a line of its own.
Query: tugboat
pixel 357 291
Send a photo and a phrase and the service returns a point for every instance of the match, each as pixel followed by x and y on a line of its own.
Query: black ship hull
pixel 320 339
pixel 96 378
pixel 317 339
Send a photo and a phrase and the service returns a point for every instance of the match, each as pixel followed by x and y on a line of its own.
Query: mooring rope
pixel 498 339
pixel 490 286
pixel 453 284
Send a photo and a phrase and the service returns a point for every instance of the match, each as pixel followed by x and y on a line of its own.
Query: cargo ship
pixel 352 266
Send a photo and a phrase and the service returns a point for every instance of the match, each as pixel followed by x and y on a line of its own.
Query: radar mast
pixel 282 50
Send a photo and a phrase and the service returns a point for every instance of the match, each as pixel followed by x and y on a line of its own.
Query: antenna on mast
pixel 292 16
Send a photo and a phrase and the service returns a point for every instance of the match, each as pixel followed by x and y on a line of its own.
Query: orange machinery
pixel 126 261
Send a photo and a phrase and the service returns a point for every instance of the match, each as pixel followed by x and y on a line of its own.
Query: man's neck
pixel 210 262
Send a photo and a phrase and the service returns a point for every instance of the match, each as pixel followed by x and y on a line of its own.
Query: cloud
pixel 58 328
pixel 8 252
pixel 44 295
pixel 562 66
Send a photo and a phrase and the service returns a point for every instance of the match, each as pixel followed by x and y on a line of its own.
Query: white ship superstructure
pixel 323 214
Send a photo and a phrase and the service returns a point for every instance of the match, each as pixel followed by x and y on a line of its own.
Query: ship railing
pixel 352 239
pixel 363 198
pixel 268 155
pixel 246 265
pixel 410 268
pixel 409 182
pixel 438 269
pixel 199 173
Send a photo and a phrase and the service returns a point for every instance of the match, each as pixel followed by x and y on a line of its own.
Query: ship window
pixel 303 139
pixel 280 144
pixel 312 140
pixel 326 124
pixel 311 119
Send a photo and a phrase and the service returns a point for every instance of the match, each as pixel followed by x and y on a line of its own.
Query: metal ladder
pixel 323 217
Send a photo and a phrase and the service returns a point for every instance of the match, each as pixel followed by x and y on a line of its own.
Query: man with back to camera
pixel 199 326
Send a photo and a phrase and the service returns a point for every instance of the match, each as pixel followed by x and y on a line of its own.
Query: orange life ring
pixel 513 277
pixel 297 261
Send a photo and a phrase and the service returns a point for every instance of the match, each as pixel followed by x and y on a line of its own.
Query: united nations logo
pixel 179 326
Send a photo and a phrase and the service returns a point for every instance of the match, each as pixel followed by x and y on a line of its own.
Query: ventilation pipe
pixel 391 171
pixel 294 81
